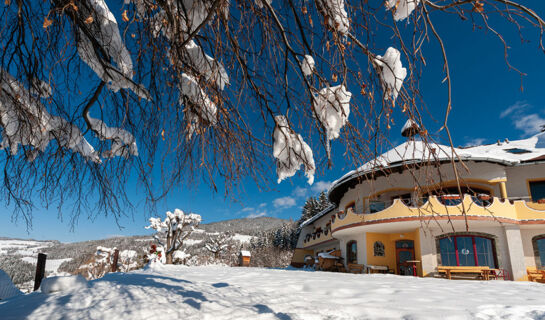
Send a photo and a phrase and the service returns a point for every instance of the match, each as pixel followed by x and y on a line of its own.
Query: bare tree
pixel 173 230
pixel 94 93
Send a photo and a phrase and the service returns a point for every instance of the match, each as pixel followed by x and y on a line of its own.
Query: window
pixel 539 250
pixel 351 252
pixel 537 190
pixel 378 249
pixel 376 206
pixel 517 151
pixel 467 250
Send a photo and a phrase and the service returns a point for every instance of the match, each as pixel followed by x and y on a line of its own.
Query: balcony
pixel 481 208
pixel 316 238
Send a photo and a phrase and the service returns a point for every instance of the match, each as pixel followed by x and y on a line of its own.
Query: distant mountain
pixel 249 226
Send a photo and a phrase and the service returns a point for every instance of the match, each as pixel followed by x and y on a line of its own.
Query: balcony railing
pixel 312 239
pixel 449 205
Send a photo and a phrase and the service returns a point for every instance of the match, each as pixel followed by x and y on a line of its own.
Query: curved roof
pixel 508 153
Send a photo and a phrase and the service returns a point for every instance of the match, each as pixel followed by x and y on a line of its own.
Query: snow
pixel 243 238
pixel 307 65
pixel 26 121
pixel 416 151
pixel 402 8
pixel 22 247
pixel 391 72
pixel 105 31
pixel 179 292
pixel 51 265
pixel 332 106
pixel 212 70
pixel 245 253
pixel 63 284
pixel 191 242
pixel 291 152
pixel 336 15
pixel 259 3
pixel 7 288
pixel 201 108
pixel 123 142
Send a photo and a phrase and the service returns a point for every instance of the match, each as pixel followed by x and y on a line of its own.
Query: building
pixel 406 205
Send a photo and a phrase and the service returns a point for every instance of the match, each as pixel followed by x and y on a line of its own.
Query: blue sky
pixel 488 105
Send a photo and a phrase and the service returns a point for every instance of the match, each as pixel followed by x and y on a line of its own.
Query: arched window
pixel 467 250
pixel 539 250
pixel 352 252
pixel 378 249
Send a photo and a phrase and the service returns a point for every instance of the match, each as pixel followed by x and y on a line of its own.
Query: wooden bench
pixel 355 268
pixel 482 271
pixel 536 275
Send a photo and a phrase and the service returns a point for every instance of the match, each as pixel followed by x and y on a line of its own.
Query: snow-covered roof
pixel 507 152
pixel 318 215
pixel 245 253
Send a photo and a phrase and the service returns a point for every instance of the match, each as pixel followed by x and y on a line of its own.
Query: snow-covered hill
pixel 178 292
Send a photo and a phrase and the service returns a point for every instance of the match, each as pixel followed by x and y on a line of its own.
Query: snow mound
pixel 291 152
pixel 7 288
pixel 402 8
pixel 212 292
pixel 61 284
pixel 391 72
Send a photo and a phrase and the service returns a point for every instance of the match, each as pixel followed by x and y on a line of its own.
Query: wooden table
pixel 483 271
pixel 371 267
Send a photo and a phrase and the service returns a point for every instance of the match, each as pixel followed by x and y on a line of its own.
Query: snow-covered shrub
pixel 173 230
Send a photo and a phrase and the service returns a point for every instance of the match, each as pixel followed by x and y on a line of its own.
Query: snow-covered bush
pixel 173 230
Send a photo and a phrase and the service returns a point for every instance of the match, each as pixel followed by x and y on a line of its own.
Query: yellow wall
pixel 299 255
pixel 389 239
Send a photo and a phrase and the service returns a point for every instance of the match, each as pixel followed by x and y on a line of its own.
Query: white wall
pixel 517 177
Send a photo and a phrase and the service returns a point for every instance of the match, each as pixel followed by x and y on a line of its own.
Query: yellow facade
pixel 389 240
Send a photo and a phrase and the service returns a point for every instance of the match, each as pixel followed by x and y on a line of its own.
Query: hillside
pixel 18 256
pixel 250 226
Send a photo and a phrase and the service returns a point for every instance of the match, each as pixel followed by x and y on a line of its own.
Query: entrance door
pixel 404 253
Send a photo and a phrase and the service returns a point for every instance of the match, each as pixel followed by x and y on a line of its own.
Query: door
pixel 404 253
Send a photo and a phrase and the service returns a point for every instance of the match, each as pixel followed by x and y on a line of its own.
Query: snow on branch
pixel 200 109
pixel 334 14
pixel 25 121
pixel 291 152
pixel 332 106
pixel 104 30
pixel 391 72
pixel 212 70
pixel 307 65
pixel 123 142
pixel 401 8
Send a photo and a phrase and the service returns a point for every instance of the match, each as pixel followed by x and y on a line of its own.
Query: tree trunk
pixel 168 258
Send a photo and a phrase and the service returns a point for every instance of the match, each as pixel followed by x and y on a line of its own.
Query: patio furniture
pixel 380 269
pixel 355 268
pixel 536 275
pixel 482 272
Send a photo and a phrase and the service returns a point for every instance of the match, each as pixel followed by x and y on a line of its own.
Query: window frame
pixel 349 251
pixel 537 255
pixel 474 245
pixel 528 184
